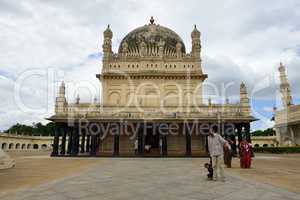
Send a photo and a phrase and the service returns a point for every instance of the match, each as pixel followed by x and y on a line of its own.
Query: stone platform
pixel 150 178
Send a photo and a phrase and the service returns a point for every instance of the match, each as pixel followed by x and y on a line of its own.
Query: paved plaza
pixel 148 178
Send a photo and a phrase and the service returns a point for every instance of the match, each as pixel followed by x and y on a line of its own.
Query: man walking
pixel 215 147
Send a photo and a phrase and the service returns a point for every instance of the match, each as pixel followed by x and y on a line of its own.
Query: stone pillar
pixel 239 128
pixel 82 147
pixel 88 142
pixel 226 130
pixel 70 140
pixel 188 146
pixel 278 136
pixel 248 135
pixel 292 135
pixel 206 144
pixel 247 131
pixel 164 145
pixel 98 142
pixel 141 145
pixel 63 141
pixel 116 144
pixel 75 143
pixel 93 145
pixel 55 141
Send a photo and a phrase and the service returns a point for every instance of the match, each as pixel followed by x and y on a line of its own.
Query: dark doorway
pixel 152 146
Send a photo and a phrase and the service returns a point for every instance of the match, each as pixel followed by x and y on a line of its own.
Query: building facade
pixel 15 143
pixel 287 120
pixel 152 102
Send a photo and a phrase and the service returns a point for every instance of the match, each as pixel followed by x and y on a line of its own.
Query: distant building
pixel 12 142
pixel 287 120
pixel 150 82
pixel 264 141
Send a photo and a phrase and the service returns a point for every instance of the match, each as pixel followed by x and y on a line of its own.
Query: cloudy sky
pixel 44 42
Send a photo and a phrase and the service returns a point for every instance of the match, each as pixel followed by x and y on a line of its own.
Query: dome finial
pixel 77 99
pixel 108 33
pixel 195 32
pixel 152 20
pixel 281 67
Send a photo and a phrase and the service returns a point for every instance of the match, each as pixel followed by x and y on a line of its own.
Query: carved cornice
pixel 160 75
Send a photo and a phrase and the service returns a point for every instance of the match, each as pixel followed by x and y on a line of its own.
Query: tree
pixel 267 132
pixel 36 129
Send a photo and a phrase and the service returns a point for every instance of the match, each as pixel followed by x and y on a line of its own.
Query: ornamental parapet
pixel 217 111
pixel 291 114
pixel 117 57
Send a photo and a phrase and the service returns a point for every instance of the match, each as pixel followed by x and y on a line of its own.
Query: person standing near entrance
pixel 160 146
pixel 228 154
pixel 216 144
pixel 136 144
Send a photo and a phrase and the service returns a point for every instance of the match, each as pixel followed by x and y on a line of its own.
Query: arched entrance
pixel 11 146
pixel 18 145
pixel 152 140
pixel 4 145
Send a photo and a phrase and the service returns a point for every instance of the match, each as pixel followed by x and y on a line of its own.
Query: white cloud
pixel 241 40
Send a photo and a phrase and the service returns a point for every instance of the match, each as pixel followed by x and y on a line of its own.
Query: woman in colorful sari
pixel 245 154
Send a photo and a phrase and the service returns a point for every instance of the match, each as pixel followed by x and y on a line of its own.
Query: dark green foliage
pixel 35 129
pixel 267 132
pixel 276 150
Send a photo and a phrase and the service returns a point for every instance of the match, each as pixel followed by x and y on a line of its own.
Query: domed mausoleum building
pixel 151 104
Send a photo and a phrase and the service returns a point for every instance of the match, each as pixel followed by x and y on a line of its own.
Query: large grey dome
pixel 152 36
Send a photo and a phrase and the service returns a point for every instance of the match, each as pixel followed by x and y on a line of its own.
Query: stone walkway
pixel 150 178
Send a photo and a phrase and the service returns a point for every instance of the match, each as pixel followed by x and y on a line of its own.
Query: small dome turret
pixel 195 33
pixel 108 33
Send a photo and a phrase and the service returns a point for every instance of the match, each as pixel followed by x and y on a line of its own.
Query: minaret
pixel 124 49
pixel 77 99
pixel 61 102
pixel 285 89
pixel 107 49
pixel 196 43
pixel 209 101
pixel 244 100
pixel 227 105
pixel 178 50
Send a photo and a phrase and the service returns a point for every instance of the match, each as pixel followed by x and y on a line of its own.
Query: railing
pixel 12 135
pixel 213 111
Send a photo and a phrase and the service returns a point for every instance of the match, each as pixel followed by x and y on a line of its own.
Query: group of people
pixel 221 151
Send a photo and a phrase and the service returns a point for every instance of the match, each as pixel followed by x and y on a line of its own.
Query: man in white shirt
pixel 215 147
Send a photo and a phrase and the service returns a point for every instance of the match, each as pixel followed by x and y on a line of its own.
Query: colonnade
pixel 75 141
